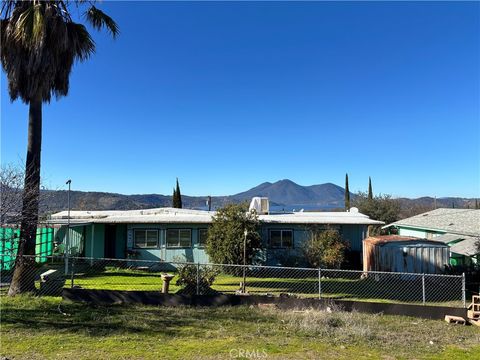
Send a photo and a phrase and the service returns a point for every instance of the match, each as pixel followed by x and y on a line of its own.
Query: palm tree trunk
pixel 23 279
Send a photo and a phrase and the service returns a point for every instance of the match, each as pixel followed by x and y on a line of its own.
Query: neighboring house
pixel 458 228
pixel 168 234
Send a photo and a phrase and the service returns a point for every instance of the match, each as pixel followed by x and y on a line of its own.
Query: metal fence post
pixel 464 290
pixel 319 283
pixel 423 289
pixel 198 278
pixel 72 275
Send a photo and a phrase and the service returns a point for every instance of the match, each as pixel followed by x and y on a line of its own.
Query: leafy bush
pixel 187 277
pixel 325 248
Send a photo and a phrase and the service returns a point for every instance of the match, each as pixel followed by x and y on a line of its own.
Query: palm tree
pixel 39 44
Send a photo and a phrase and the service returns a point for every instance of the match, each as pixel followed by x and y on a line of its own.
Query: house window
pixel 143 238
pixel 179 238
pixel 281 238
pixel 202 237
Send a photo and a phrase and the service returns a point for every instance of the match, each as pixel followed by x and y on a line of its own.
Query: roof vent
pixel 260 205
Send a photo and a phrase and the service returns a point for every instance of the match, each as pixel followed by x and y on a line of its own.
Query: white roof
pixel 171 215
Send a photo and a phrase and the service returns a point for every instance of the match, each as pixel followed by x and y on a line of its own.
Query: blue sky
pixel 225 96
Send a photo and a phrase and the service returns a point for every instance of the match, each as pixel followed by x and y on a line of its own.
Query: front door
pixel 110 237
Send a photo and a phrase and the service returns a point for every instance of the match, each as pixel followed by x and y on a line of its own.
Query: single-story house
pixel 458 228
pixel 168 234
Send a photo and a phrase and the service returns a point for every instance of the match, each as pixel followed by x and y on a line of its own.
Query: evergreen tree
pixel 370 192
pixel 476 204
pixel 174 197
pixel 177 197
pixel 347 194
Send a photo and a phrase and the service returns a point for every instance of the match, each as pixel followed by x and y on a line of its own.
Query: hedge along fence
pixel 9 237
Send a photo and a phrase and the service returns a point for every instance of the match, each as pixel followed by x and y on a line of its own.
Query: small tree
pixel 347 194
pixel 380 207
pixel 325 248
pixel 177 197
pixel 226 235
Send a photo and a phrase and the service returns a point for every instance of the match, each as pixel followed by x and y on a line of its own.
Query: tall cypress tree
pixel 174 198
pixel 370 192
pixel 177 197
pixel 347 194
pixel 476 204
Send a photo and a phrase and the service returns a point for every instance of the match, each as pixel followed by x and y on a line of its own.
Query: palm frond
pixel 38 30
pixel 23 31
pixel 98 19
pixel 80 41
pixel 39 44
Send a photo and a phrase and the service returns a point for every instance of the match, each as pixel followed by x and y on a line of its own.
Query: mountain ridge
pixel 283 194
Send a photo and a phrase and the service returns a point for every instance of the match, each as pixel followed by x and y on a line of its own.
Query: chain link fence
pixel 192 278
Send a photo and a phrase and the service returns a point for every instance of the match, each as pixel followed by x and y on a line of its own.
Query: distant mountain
pixel 284 194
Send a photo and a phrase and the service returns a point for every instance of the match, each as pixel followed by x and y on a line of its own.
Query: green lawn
pixel 37 328
pixel 275 282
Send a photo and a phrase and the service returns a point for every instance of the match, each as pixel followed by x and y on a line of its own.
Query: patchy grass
pixel 33 328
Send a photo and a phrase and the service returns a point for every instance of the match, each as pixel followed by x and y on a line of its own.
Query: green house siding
pixel 193 253
pixel 77 239
pixel 420 233
pixel 294 256
pixel 94 240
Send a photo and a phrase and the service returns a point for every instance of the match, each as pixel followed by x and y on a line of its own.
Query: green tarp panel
pixel 9 245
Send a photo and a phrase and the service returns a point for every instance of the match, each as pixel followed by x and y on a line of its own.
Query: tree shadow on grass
pixel 110 320
pixel 94 320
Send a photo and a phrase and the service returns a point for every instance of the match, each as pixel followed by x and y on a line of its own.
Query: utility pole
pixel 245 233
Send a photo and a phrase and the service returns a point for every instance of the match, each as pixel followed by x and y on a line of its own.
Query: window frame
pixel 281 238
pixel 198 237
pixel 144 230
pixel 179 246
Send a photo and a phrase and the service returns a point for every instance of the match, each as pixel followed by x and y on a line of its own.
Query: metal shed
pixel 404 254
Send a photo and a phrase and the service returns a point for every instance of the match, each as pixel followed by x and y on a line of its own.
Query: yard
pixel 302 283
pixel 33 327
pixel 335 284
